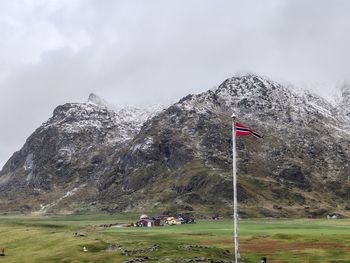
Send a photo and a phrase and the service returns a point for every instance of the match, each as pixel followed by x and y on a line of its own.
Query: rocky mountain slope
pixel 67 155
pixel 344 104
pixel 88 157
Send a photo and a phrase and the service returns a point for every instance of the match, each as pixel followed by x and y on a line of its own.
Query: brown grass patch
pixel 273 246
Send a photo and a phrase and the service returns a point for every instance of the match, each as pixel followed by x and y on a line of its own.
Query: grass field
pixel 51 239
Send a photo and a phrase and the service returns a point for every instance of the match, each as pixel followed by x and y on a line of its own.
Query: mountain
pixel 183 158
pixel 67 155
pixel 89 156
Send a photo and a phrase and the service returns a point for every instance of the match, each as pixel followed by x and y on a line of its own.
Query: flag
pixel 242 130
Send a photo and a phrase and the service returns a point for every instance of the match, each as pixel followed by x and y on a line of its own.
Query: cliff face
pixel 88 157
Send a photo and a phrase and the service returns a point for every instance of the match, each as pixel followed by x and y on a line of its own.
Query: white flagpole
pixel 234 171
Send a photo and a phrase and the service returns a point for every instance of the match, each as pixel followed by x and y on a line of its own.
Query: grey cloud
pixel 157 51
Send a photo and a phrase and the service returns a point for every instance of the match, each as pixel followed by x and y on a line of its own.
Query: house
pixel 172 221
pixel 148 222
pixel 144 216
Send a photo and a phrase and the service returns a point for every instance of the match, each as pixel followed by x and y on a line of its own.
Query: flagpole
pixel 234 171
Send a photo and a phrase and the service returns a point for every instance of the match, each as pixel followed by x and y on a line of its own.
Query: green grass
pixel 51 239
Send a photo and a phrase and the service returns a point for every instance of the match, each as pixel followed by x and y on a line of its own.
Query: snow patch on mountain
pixel 28 164
pixel 118 124
pixel 133 114
pixel 251 93
pixel 44 208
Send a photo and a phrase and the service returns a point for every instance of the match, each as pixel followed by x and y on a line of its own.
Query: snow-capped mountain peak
pixel 135 116
pixel 95 99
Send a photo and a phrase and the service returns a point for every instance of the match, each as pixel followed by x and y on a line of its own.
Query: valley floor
pixel 62 239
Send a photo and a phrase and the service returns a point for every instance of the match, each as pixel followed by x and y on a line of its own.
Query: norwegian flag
pixel 242 130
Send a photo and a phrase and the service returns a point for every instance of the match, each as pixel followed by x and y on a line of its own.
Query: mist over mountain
pixel 94 156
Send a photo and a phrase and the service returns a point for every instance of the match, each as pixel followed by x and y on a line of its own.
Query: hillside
pixel 87 157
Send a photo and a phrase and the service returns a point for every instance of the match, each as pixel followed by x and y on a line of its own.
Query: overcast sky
pixel 157 51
